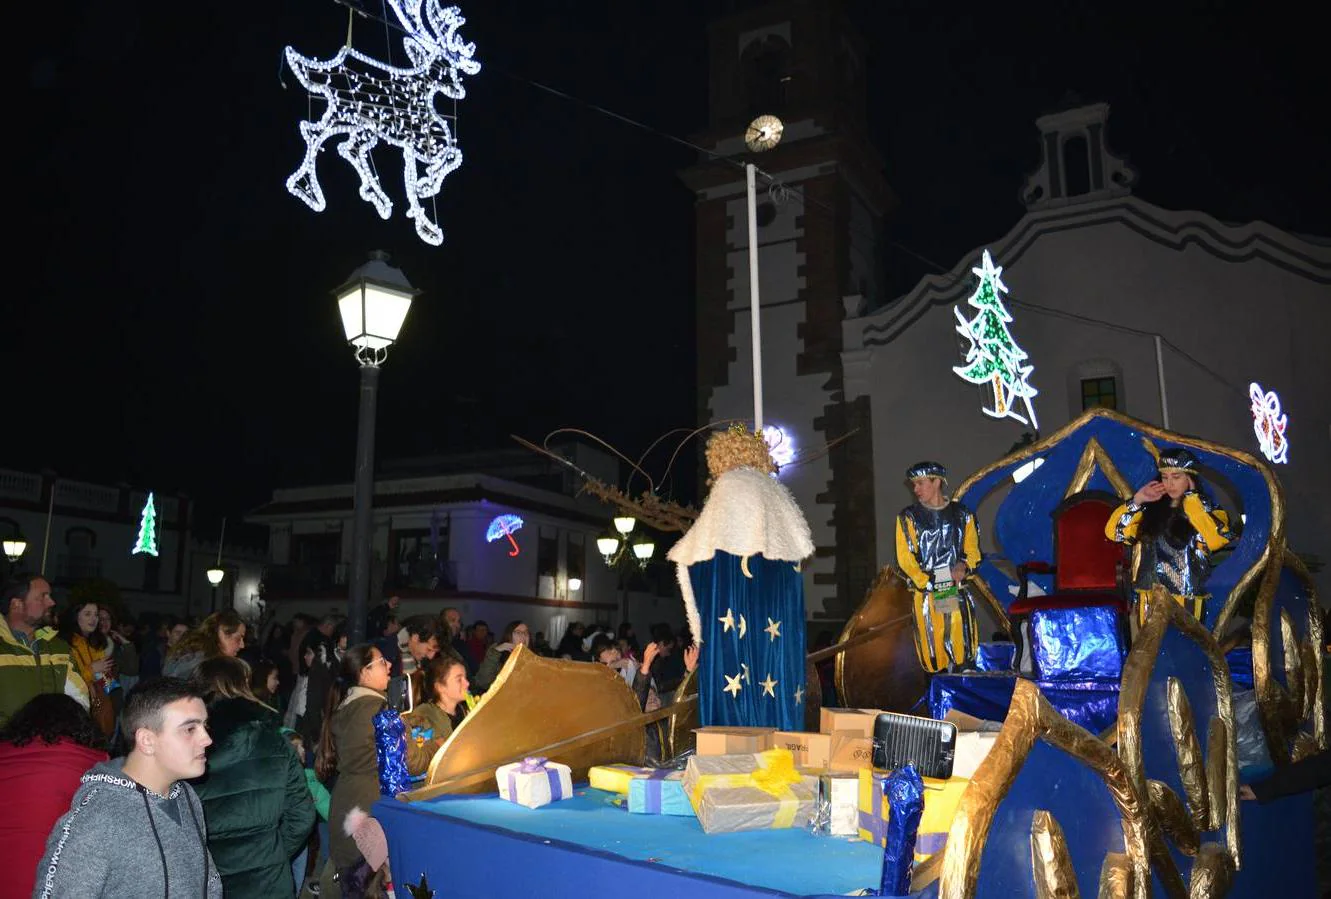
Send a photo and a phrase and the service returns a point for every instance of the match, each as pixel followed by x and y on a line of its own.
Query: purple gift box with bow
pixel 534 782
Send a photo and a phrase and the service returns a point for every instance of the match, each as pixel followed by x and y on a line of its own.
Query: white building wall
pixel 1246 320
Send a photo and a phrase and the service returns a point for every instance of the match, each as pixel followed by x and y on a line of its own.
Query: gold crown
pixel 738 447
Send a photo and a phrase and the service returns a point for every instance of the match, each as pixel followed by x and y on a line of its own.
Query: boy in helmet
pixel 938 546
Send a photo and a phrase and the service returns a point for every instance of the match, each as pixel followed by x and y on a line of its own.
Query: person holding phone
pixel 1178 527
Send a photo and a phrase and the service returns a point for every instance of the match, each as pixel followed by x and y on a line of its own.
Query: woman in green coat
pixel 255 799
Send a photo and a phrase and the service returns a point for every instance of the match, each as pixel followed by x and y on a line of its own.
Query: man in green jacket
pixel 33 660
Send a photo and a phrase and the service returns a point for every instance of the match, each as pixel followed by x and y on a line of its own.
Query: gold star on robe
pixel 773 628
pixel 732 685
pixel 728 620
pixel 799 694
pixel 769 686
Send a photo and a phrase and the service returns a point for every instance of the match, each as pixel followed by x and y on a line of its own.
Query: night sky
pixel 172 324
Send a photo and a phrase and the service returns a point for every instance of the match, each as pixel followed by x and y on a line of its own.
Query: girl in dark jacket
pixel 255 798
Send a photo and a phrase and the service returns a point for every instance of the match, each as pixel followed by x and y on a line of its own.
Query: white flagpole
pixel 754 306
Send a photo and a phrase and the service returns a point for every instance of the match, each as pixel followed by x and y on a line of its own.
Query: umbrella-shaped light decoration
pixel 503 526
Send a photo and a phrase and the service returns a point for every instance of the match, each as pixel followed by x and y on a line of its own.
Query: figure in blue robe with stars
pixel 739 570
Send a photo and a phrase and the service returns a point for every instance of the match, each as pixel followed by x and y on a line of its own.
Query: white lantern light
pixel 14 548
pixel 574 584
pixel 643 550
pixel 607 546
pixel 624 524
pixel 374 304
pixel 215 576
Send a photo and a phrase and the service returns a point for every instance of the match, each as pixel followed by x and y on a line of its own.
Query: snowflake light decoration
pixel 1269 423
pixel 369 101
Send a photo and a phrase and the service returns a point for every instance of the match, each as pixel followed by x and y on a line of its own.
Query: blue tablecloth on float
pixel 482 846
pixel 1091 703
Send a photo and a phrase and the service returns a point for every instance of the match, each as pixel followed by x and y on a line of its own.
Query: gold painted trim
pixel 1274 491
pixel 1317 637
pixel 1031 717
pixel 1092 457
pixel 1051 865
pixel 1164 614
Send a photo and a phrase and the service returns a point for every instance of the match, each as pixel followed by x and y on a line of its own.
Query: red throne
pixel 1088 568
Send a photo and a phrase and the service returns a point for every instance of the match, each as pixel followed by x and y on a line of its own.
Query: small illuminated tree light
pixel 994 358
pixel 147 540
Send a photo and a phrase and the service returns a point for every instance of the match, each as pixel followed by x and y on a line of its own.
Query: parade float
pixel 1112 773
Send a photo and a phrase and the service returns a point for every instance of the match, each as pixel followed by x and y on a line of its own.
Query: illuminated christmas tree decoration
pixel 779 445
pixel 1269 423
pixel 994 357
pixel 369 101
pixel 503 526
pixel 147 542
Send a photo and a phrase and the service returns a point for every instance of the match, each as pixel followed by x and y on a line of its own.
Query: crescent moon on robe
pixel 744 566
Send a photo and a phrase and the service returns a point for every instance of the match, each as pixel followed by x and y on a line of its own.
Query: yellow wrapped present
pixel 750 791
pixel 940 805
pixel 615 778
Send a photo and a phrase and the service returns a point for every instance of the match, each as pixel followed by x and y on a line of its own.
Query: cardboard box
pixel 733 740
pixel 851 751
pixel 809 750
pixel 860 721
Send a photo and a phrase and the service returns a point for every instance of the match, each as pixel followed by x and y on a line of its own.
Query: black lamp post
pixel 373 304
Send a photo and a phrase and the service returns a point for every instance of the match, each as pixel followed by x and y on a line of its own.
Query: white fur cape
pixel 747 513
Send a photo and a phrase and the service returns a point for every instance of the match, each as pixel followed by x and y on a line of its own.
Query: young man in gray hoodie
pixel 135 828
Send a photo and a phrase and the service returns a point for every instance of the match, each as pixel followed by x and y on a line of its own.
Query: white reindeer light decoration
pixel 369 101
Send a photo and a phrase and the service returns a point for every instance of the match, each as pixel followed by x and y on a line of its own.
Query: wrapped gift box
pixel 840 792
pixel 615 778
pixel 659 792
pixel 750 791
pixel 940 805
pixel 733 740
pixel 534 782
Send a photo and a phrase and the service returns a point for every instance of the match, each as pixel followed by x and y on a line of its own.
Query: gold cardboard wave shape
pixel 578 713
pixel 1030 718
pixel 1208 807
pixel 1285 712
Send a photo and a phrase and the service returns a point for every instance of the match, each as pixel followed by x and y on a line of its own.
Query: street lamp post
pixel 616 551
pixel 373 304
pixel 217 572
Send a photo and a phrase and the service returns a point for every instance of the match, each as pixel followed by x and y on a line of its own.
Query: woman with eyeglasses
pixel 347 755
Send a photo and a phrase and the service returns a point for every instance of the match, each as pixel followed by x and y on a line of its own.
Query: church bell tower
pixel 819 219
